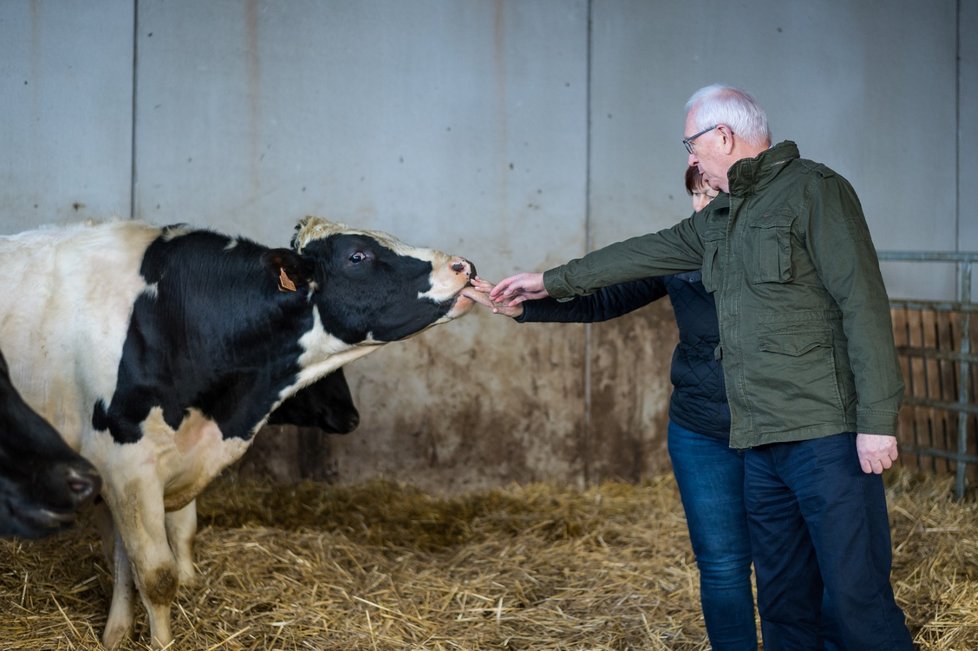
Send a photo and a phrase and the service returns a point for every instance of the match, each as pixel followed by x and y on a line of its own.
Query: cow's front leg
pixel 140 520
pixel 120 619
pixel 181 528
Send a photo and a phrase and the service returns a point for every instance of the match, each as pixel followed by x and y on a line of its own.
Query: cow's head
pixel 326 404
pixel 42 480
pixel 370 287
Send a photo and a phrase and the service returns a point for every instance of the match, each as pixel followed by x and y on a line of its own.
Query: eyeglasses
pixel 688 142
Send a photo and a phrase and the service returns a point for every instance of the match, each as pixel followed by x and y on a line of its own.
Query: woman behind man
pixel 710 474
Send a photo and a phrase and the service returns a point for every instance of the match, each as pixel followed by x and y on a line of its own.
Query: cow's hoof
pixel 114 636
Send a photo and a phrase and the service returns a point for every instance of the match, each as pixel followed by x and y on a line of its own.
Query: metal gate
pixel 935 343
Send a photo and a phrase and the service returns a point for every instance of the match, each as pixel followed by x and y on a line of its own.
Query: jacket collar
pixel 748 176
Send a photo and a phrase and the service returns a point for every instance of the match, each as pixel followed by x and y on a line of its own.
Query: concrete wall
pixel 519 134
pixel 66 74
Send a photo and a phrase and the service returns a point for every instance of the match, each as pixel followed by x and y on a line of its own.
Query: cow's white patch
pixel 173 232
pixel 190 457
pixel 315 228
pixel 182 461
pixel 63 335
pixel 322 354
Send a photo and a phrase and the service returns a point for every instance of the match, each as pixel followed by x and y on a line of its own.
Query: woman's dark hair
pixel 693 179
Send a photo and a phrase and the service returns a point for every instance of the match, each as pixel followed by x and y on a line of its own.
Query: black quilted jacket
pixel 699 400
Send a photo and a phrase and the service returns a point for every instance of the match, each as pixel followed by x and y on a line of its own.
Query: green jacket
pixel 805 333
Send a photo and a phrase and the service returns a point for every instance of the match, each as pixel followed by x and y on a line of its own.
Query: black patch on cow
pixel 219 335
pixel 216 335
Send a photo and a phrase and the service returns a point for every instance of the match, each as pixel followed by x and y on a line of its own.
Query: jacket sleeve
pixel 606 303
pixel 666 252
pixel 845 258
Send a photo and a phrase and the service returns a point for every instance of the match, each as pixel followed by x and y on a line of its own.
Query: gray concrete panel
pixel 967 158
pixel 453 123
pixel 66 133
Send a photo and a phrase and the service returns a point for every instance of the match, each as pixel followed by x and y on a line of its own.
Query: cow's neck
pixel 323 353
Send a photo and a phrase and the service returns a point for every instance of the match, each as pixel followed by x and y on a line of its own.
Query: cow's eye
pixel 358 257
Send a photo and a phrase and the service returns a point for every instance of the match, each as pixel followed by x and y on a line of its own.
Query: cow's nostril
pixel 464 265
pixel 353 422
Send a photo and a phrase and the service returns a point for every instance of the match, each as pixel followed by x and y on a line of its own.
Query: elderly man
pixel 811 373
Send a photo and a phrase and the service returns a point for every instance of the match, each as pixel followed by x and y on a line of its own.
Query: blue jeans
pixel 818 525
pixel 710 476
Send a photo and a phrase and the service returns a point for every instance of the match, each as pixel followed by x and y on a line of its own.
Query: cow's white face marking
pixel 173 232
pixel 314 228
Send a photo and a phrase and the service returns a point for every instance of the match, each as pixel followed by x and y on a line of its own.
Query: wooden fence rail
pixel 936 346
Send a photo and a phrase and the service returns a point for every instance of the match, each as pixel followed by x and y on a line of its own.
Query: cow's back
pixel 69 291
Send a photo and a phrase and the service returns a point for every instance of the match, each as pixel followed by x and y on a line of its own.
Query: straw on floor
pixel 382 566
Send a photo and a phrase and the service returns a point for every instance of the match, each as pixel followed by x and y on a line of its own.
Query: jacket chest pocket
pixel 769 249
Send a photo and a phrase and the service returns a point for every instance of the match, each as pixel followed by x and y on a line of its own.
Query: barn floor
pixel 380 566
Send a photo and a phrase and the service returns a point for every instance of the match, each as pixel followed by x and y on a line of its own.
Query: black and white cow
pixel 42 480
pixel 159 353
pixel 326 405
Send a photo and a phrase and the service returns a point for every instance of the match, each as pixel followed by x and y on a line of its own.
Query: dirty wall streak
pixel 631 388
pixel 506 407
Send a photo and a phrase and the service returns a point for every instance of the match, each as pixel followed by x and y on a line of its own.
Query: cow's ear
pixel 289 269
pixel 294 243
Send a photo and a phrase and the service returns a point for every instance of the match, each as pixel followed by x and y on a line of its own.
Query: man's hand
pixel 522 287
pixel 479 292
pixel 876 452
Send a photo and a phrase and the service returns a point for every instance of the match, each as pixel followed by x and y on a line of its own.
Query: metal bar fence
pixel 941 399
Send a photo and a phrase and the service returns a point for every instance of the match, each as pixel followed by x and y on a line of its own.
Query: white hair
pixel 721 104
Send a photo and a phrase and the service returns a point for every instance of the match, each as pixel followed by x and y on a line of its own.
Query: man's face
pixel 707 155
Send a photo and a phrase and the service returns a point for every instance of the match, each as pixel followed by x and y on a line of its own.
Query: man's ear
pixel 727 139
pixel 290 270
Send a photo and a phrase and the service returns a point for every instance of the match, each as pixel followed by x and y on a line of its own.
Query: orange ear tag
pixel 285 283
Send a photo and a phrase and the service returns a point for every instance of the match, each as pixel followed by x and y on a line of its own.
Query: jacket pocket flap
pixel 794 344
pixel 774 220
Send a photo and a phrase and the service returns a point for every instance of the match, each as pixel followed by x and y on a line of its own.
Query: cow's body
pixel 42 480
pixel 158 353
